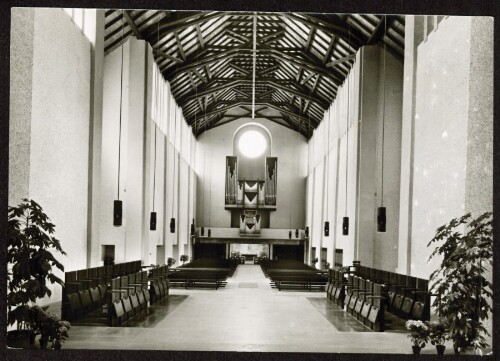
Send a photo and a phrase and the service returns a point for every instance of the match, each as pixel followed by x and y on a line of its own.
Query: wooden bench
pixel 302 278
pixel 308 283
pixel 198 277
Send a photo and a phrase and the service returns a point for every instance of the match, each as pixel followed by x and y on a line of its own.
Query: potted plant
pixel 466 247
pixel 30 259
pixel 170 262
pixel 437 335
pixel 55 331
pixel 419 335
pixel 314 261
pixel 184 258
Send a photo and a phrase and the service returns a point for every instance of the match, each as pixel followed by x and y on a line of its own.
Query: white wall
pixel 440 153
pixel 55 122
pixel 447 127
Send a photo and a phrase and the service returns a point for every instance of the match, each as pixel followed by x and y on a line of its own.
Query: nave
pixel 327 139
pixel 246 315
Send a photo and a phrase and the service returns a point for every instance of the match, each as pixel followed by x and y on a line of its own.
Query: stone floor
pixel 246 315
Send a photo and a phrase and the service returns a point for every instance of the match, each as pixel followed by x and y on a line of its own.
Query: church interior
pixel 250 181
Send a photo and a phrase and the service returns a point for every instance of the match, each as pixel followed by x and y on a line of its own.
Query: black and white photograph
pixel 250 182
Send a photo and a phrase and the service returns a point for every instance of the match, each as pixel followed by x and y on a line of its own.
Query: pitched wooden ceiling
pixel 301 60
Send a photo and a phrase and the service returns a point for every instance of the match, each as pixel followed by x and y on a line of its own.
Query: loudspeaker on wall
pixel 381 219
pixel 345 226
pixel 117 213
pixel 152 221
pixel 172 225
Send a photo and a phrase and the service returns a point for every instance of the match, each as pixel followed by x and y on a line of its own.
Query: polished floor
pixel 246 315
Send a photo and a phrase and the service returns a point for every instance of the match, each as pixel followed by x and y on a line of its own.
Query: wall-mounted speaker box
pixel 172 225
pixel 345 226
pixel 327 229
pixel 152 221
pixel 381 219
pixel 117 213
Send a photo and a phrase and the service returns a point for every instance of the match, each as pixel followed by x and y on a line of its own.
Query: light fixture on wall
pixel 118 204
pixel 254 54
pixel 152 218
pixel 172 220
pixel 326 176
pixel 202 229
pixel 193 225
pixel 209 233
pixel 381 211
pixel 345 219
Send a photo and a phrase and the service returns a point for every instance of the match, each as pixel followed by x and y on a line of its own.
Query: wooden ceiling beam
pixel 193 85
pixel 306 79
pixel 239 51
pixel 200 103
pixel 200 36
pixel 299 74
pixel 179 46
pixel 262 95
pixel 237 36
pixel 199 75
pixel 310 36
pixel 339 28
pixel 331 45
pixel 132 24
pixel 341 60
pixel 181 22
pixel 243 94
pixel 167 56
pixel 207 91
pixel 272 37
pixel 268 70
pixel 239 69
pixel 209 73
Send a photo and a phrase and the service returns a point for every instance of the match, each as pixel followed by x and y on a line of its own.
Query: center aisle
pixel 246 315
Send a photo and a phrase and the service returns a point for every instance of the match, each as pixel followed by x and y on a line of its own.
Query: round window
pixel 252 144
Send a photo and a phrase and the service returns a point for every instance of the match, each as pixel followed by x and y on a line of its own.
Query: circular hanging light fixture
pixel 252 144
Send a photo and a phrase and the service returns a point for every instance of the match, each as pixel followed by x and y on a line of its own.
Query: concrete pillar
pixel 479 174
pixel 324 204
pixel 137 169
pixel 367 154
pixel 21 73
pixel 414 34
pixel 96 19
